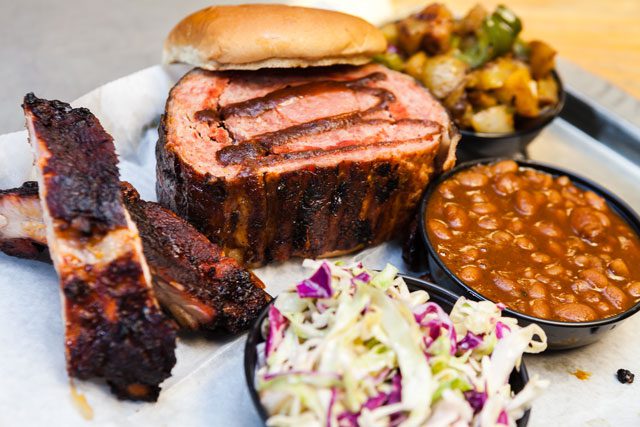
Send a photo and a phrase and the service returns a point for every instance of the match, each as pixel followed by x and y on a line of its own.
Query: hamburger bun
pixel 249 37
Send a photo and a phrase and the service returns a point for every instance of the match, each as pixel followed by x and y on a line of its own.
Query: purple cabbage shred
pixel 362 277
pixel 476 399
pixel 434 325
pixel 469 342
pixel 503 418
pixel 318 285
pixel 375 402
pixel 500 330
pixel 348 419
pixel 330 408
pixel 395 395
pixel 277 324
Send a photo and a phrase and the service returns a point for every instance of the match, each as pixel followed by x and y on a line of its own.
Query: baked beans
pixel 537 243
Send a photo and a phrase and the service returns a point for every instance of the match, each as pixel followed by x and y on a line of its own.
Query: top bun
pixel 249 37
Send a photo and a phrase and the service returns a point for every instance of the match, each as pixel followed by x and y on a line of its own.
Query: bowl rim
pixel 620 207
pixel 254 337
pixel 547 118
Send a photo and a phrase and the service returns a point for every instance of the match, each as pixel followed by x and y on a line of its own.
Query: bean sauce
pixel 536 243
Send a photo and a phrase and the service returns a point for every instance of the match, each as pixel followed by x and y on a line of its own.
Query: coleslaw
pixel 351 347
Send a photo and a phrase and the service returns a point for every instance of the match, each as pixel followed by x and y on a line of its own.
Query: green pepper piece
pixel 391 60
pixel 478 53
pixel 521 49
pixel 502 28
pixel 496 37
pixel 511 19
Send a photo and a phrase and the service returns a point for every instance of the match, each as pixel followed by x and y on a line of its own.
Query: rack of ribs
pixel 274 164
pixel 114 327
pixel 193 281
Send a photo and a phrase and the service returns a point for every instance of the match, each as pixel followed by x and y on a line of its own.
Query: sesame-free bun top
pixel 253 36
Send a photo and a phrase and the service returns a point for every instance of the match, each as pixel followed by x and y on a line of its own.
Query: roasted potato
pixel 478 65
pixel 453 99
pixel 522 89
pixel 481 99
pixel 495 74
pixel 411 31
pixel 542 59
pixel 438 38
pixel 442 74
pixel 548 91
pixel 390 32
pixel 415 65
pixel 472 21
pixel 496 119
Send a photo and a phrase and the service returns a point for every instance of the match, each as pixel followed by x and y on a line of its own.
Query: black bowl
pixel 560 335
pixel 476 145
pixel 442 297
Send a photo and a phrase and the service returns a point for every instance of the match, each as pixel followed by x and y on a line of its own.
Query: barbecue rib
pixel 192 280
pixel 273 164
pixel 114 327
pixel 22 232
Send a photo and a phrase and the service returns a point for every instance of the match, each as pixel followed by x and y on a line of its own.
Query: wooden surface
pixel 601 36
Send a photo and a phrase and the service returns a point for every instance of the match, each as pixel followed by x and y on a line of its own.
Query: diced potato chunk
pixel 411 31
pixel 495 74
pixel 442 74
pixel 482 99
pixel 541 58
pixel 484 74
pixel 415 65
pixel 390 32
pixel 523 90
pixel 454 97
pixel 547 91
pixel 496 119
pixel 473 19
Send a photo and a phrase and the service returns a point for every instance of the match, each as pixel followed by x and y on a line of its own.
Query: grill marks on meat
pixel 114 328
pixel 22 232
pixel 261 145
pixel 256 106
pixel 192 279
pixel 275 164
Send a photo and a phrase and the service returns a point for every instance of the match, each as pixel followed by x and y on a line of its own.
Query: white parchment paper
pixel 207 387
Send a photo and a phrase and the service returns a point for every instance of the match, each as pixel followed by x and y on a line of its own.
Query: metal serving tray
pixel 597 135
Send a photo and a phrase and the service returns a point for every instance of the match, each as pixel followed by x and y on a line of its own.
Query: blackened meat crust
pixel 115 328
pixel 27 189
pixel 198 274
pixel 268 181
pixel 178 253
pixel 133 352
pixel 84 193
pixel 23 247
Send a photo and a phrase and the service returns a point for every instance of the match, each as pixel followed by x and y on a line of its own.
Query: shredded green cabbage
pixel 375 354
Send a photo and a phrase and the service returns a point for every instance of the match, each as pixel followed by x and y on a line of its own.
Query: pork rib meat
pixel 114 327
pixel 22 232
pixel 193 281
